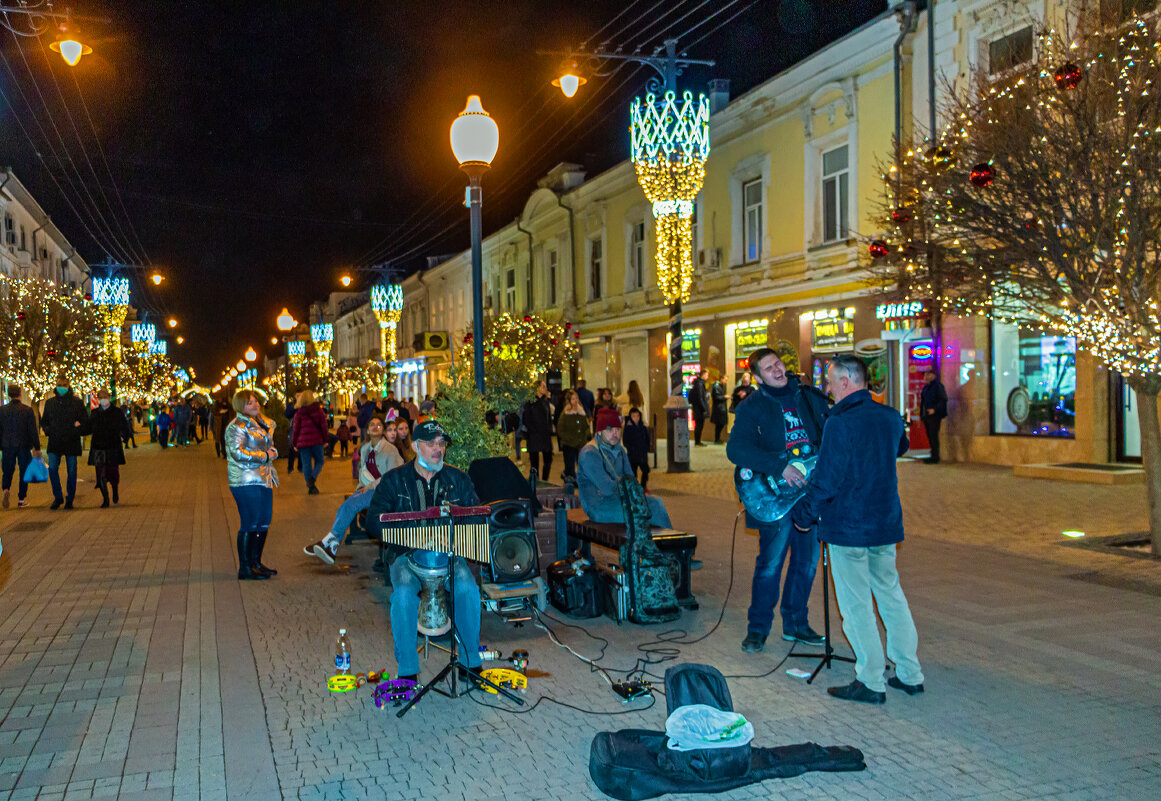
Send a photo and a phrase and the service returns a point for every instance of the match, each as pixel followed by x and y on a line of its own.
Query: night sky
pixel 257 150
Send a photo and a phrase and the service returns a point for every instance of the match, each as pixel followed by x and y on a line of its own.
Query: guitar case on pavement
pixel 633 764
pixel 652 597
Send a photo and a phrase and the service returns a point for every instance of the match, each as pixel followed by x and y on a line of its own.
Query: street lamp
pixel 346 280
pixel 172 323
pixel 570 78
pixel 240 366
pixel 250 355
pixel 181 340
pixel 157 278
pixel 475 138
pixel 285 321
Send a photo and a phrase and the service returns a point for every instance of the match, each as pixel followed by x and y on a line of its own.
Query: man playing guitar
pixel 779 424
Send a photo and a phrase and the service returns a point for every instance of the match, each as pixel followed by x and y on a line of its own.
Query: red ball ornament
pixel 553 341
pixel 527 319
pixel 567 326
pixel 982 175
pixel 1067 76
pixel 576 335
pixel 88 296
pixel 878 249
pixel 495 345
pixel 20 315
pixel 467 338
pixel 50 353
pixel 900 216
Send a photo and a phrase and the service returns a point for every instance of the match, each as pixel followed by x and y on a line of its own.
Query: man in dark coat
pixel 536 417
pixel 932 410
pixel 718 414
pixel 853 497
pixel 699 405
pixel 779 424
pixel 19 442
pixel 585 396
pixel 64 421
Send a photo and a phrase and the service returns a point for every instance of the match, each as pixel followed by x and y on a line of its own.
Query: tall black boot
pixel 104 494
pixel 245 570
pixel 116 497
pixel 256 555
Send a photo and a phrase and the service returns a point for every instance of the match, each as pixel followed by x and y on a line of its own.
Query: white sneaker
pixel 325 552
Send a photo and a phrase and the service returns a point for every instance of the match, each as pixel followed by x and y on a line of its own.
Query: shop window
pixel 1033 382
pixel 1009 52
pixel 835 189
pixel 550 272
pixel 596 265
pixel 752 219
pixel 636 257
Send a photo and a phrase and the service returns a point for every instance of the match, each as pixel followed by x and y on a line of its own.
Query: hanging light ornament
pixel 878 249
pixel 387 303
pixel 322 334
pixel 1067 76
pixel 112 295
pixel 901 216
pixel 670 143
pixel 982 175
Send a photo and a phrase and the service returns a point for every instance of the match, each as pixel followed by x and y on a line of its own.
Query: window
pixel 752 219
pixel 510 290
pixel 550 270
pixel 23 241
pixel 636 278
pixel 528 296
pixel 694 241
pixel 1010 51
pixel 1033 382
pixel 835 178
pixel 595 265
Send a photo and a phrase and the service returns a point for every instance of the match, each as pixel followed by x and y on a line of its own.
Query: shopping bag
pixel 37 472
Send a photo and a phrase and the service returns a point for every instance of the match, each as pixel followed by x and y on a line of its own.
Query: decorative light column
pixel 323 335
pixel 112 295
pixel 387 303
pixel 670 144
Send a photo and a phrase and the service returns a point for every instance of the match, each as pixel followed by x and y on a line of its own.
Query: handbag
pixel 36 472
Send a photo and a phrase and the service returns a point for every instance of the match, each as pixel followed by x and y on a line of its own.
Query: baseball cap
pixel 430 430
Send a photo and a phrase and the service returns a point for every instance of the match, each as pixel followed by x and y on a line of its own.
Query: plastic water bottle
pixel 343 653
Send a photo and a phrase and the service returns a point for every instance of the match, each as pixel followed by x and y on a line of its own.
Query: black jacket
pixel 698 398
pixel 18 427
pixel 108 426
pixel 854 490
pixel 537 418
pixel 758 438
pixel 741 392
pixel 404 490
pixel 718 414
pixel 635 438
pixel 933 396
pixel 59 423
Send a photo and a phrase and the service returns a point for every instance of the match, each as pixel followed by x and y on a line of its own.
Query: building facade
pixel 32 245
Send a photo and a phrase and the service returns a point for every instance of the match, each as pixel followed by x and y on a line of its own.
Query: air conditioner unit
pixel 431 340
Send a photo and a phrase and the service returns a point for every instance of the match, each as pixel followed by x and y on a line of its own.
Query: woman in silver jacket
pixel 250 456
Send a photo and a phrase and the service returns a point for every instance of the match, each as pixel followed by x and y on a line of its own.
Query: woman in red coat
pixel 308 434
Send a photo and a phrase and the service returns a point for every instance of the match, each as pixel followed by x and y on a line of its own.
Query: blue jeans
pixel 11 457
pixel 70 473
pixel 349 510
pixel 311 463
pixel 405 615
pixel 774 540
pixel 255 506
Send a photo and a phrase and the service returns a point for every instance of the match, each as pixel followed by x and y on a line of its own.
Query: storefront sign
pixel 750 336
pixel 832 334
pixel 892 311
pixel 691 345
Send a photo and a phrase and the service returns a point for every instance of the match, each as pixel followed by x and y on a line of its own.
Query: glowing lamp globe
pixel 181 340
pixel 273 340
pixel 346 280
pixel 285 321
pixel 70 50
pixel 157 278
pixel 475 137
pixel 250 355
pixel 569 83
pixel 241 366
pixel 172 323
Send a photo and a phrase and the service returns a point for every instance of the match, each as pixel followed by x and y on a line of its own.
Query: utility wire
pixel 721 25
pixel 640 40
pixel 601 29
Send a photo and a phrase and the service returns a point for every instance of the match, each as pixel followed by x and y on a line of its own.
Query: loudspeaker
pixel 514 551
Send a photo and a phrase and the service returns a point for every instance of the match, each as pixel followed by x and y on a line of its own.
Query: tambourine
pixel 342 683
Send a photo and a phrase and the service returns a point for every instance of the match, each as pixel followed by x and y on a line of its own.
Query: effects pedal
pixel 631 690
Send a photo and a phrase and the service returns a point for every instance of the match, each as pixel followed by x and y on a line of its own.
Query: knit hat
pixel 606 418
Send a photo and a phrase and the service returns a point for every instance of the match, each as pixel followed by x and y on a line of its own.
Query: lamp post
pixel 286 323
pixel 475 138
pixel 670 144
pixel 33 18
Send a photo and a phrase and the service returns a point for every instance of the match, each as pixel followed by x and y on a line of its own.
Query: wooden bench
pixel 678 547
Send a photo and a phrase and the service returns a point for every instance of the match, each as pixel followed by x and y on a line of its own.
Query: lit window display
pixel 1033 382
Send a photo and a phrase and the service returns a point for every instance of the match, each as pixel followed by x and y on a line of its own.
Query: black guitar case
pixel 652 597
pixel 634 763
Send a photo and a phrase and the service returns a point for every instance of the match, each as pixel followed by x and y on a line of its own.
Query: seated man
pixel 377 457
pixel 600 466
pixel 421 484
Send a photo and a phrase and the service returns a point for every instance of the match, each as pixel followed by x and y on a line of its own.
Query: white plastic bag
pixel 697 726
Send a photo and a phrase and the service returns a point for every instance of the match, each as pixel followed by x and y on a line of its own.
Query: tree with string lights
pixel 1040 204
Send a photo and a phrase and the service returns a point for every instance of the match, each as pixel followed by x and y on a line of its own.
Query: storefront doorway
pixel 1128 423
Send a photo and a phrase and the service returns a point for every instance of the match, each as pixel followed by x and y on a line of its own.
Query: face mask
pixel 104 404
pixel 434 468
pixel 61 390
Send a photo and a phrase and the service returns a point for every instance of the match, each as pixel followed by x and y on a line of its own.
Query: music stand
pixel 827 656
pixel 453 661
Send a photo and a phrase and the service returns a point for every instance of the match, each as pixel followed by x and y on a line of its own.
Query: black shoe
pixel 56 504
pixel 104 496
pixel 805 635
pixel 753 643
pixel 409 677
pixel 68 505
pixel 857 691
pixel 910 689
pixel 313 490
pixel 116 495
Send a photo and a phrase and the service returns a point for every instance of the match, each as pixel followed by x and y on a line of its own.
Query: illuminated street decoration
pixel 296 350
pixel 670 144
pixel 112 295
pixel 322 334
pixel 387 303
pixel 159 347
pixel 143 335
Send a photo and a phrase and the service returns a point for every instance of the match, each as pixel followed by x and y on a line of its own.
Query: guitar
pixel 768 498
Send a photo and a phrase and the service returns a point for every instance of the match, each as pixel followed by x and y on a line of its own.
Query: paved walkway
pixel 133 665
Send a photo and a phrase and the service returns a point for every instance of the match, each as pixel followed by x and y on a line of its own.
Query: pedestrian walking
pixel 719 416
pixel 573 431
pixel 635 437
pixel 932 410
pixel 537 417
pixel 222 412
pixel 106 451
pixel 182 413
pixel 853 497
pixel 291 453
pixel 309 434
pixel 250 457
pixel 699 405
pixel 19 443
pixel 64 421
pixel 203 415
pixel 164 426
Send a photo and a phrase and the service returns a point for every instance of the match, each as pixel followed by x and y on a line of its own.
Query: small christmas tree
pixel 461 411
